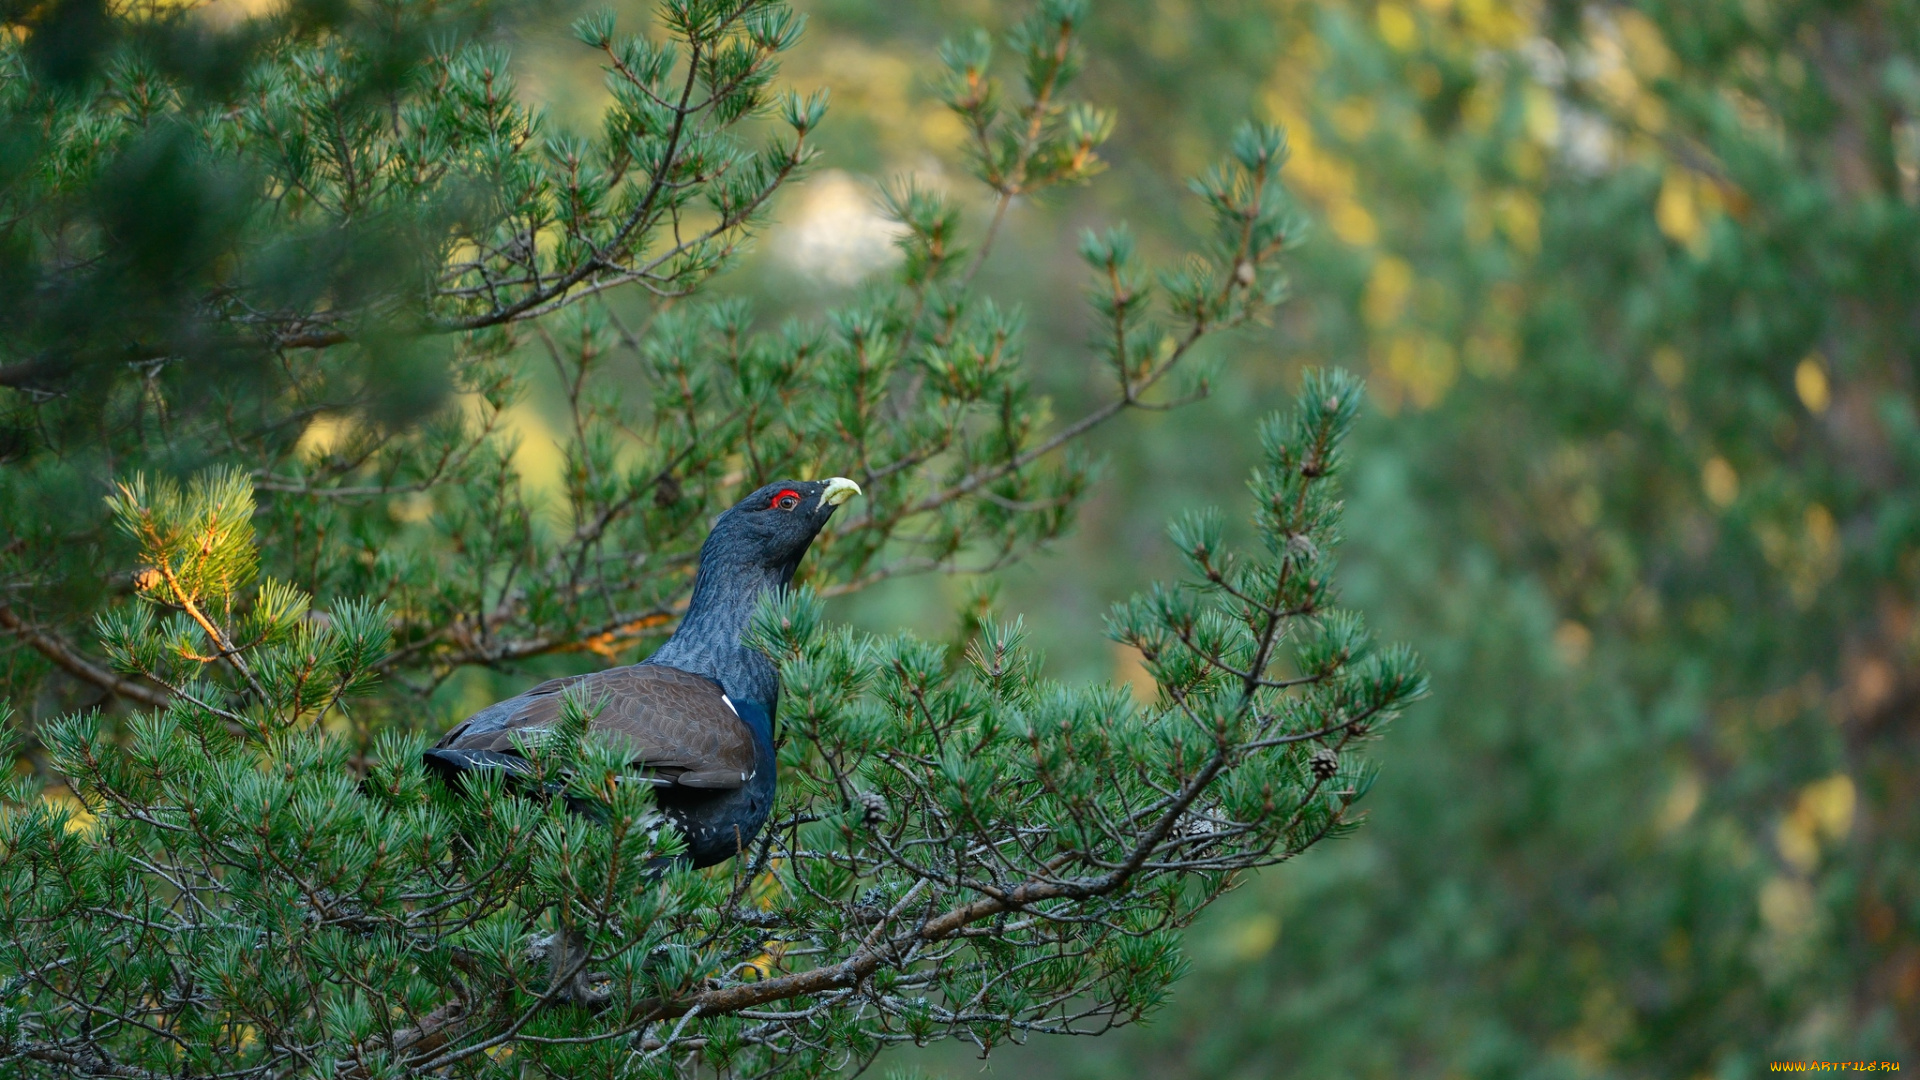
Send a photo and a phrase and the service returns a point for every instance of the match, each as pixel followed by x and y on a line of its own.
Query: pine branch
pixel 71 662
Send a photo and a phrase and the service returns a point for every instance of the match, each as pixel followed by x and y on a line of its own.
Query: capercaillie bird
pixel 696 718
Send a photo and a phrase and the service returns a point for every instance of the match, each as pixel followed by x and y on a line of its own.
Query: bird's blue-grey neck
pixel 725 592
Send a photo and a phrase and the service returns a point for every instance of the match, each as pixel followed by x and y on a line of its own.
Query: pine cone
pixel 873 808
pixel 1324 764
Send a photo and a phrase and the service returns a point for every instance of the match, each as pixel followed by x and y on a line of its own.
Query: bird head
pixel 773 527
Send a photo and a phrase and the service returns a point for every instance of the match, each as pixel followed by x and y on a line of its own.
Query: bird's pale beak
pixel 839 490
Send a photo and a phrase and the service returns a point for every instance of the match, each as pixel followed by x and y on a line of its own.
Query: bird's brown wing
pixel 678 727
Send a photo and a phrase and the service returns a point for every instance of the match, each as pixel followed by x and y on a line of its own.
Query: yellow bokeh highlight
pixel 1627 55
pixel 327 432
pixel 1645 47
pixel 1351 223
pixel 1810 382
pixel 1650 114
pixel 1321 178
pixel 1574 642
pixel 1130 670
pixel 1611 74
pixel 1518 216
pixel 1416 368
pixel 1542 116
pixel 1397 27
pixel 1797 846
pixel 1823 533
pixel 1786 906
pixel 537 455
pixel 1720 482
pixel 1480 109
pixel 1819 557
pixel 218 14
pixel 1669 366
pixel 1253 937
pixel 1682 802
pixel 1496 23
pixel 1388 288
pixel 1684 206
pixel 1675 211
pixel 1822 815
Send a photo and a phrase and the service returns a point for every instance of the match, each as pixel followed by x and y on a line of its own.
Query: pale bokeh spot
pixel 1574 642
pixel 1397 27
pixel 537 454
pixel 1518 216
pixel 225 14
pixel 1542 116
pixel 1682 802
pixel 1810 382
pixel 1419 365
pixel 1797 844
pixel 1830 804
pixel 1586 143
pixel 1646 49
pixel 1253 937
pixel 1786 904
pixel 1821 816
pixel 1675 211
pixel 1871 684
pixel 1720 482
pixel 1669 366
pixel 837 233
pixel 1351 222
pixel 1388 287
pixel 1130 670
pixel 327 431
pixel 1685 205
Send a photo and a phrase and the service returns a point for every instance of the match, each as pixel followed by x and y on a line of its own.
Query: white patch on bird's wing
pixel 729 702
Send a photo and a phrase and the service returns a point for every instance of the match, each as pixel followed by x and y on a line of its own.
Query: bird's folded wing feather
pixel 677 726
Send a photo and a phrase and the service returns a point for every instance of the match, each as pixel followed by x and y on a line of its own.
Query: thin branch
pixel 71 662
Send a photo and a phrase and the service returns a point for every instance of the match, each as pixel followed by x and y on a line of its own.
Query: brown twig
pixel 68 660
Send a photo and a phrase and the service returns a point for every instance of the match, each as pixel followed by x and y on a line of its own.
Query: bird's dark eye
pixel 786 500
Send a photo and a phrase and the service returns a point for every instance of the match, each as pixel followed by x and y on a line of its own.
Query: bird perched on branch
pixel 696 716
